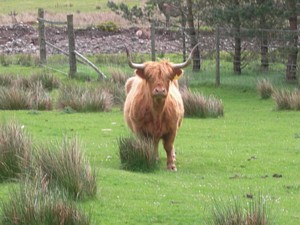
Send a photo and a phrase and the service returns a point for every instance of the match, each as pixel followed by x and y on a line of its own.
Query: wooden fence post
pixel 217 57
pixel 42 41
pixel 72 55
pixel 153 40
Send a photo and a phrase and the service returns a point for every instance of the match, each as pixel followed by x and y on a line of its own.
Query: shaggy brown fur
pixel 153 105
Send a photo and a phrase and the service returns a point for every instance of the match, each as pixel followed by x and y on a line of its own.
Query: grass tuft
pixel 13 98
pixel 65 166
pixel 264 88
pixel 15 150
pixel 48 80
pixel 234 213
pixel 31 204
pixel 137 154
pixel 197 105
pixel 38 97
pixel 287 100
pixel 83 99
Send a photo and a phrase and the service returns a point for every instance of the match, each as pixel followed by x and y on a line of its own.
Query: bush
pixel 264 88
pixel 233 213
pixel 137 154
pixel 84 98
pixel 197 105
pixel 66 167
pixel 108 26
pixel 15 151
pixel 31 205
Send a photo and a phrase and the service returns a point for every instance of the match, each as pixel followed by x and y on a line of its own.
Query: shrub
pixel 264 88
pixel 13 98
pixel 137 154
pixel 31 204
pixel 84 98
pixel 197 105
pixel 15 150
pixel 233 213
pixel 108 26
pixel 66 167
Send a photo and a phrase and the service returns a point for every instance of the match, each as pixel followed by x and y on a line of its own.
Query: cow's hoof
pixel 172 167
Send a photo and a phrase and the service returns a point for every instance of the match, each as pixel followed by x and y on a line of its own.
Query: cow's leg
pixel 155 143
pixel 168 141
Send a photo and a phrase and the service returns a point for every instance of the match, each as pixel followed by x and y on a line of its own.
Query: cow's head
pixel 159 74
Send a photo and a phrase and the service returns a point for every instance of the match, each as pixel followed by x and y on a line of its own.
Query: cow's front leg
pixel 169 147
pixel 155 143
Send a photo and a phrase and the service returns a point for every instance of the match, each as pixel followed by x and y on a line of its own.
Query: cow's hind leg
pixel 169 147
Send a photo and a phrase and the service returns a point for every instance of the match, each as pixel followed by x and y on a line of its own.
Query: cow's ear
pixel 140 73
pixel 177 73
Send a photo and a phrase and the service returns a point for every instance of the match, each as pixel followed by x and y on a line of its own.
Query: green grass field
pixel 71 6
pixel 253 149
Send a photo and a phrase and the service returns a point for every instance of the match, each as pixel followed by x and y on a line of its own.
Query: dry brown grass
pixel 83 19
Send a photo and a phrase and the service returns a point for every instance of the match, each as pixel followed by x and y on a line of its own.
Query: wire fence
pixel 263 52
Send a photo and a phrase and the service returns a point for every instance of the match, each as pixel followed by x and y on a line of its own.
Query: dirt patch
pixel 23 38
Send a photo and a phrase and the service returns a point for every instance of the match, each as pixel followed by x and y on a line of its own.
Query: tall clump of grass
pixel 48 80
pixel 234 213
pixel 13 98
pixel 6 79
pixel 84 99
pixel 264 88
pixel 65 166
pixel 39 99
pixel 21 93
pixel 118 79
pixel 283 99
pixel 32 204
pixel 137 154
pixel 15 150
pixel 197 105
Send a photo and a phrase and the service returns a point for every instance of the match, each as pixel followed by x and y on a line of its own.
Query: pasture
pixel 253 150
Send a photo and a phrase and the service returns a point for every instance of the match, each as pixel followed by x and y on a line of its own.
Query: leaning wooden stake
pixel 91 64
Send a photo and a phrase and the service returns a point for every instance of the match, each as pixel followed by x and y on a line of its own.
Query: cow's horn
pixel 131 64
pixel 188 61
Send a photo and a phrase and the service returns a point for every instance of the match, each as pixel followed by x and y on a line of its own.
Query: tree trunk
pixel 237 44
pixel 264 49
pixel 264 53
pixel 192 31
pixel 293 50
pixel 237 55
